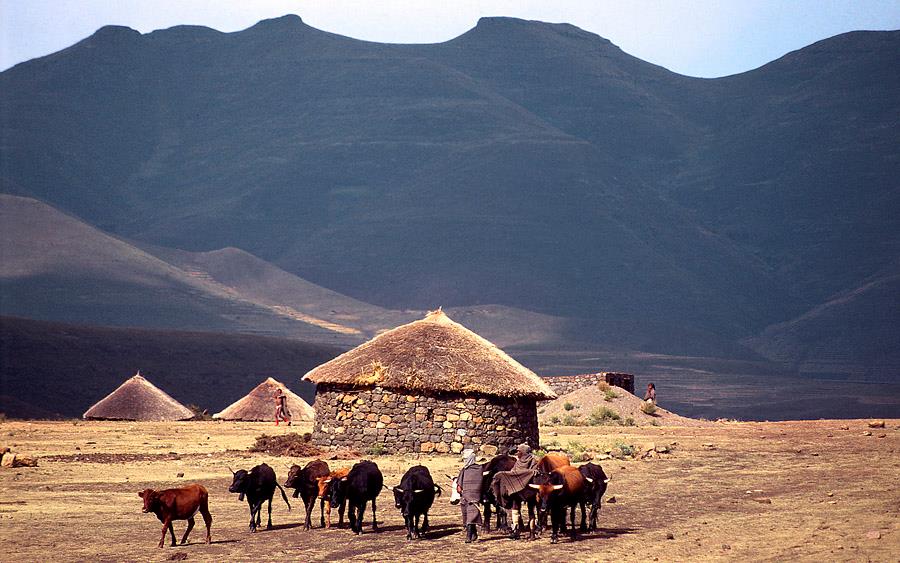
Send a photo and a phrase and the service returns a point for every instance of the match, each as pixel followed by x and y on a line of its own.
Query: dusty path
pixel 70 509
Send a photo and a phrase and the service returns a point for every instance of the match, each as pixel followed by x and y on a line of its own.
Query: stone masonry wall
pixel 435 422
pixel 562 384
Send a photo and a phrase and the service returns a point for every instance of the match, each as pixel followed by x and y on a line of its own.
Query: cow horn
pixel 418 490
pixel 449 477
pixel 399 490
pixel 533 486
pixel 232 470
pixel 607 480
pixel 589 479
pixel 557 487
pixel 483 473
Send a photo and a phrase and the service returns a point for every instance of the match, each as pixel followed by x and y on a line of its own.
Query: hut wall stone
pixel 402 422
pixel 563 384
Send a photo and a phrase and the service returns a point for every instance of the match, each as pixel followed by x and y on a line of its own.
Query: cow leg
pixel 595 506
pixel 308 504
pixel 190 526
pixel 207 519
pixel 254 516
pixel 322 513
pixel 583 526
pixel 425 526
pixel 341 508
pixel 351 516
pixel 574 531
pixel 486 523
pixel 410 523
pixel 374 522
pixel 269 525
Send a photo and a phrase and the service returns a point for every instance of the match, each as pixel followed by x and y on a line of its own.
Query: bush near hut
pixel 294 445
pixel 604 415
pixel 648 408
pixel 568 406
pixel 610 395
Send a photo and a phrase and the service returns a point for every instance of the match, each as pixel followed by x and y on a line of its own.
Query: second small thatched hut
pixel 259 404
pixel 428 386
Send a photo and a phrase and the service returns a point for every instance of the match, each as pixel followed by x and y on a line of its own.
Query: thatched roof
pixel 138 399
pixel 432 354
pixel 259 404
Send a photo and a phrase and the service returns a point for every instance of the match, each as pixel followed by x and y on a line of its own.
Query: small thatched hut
pixel 428 386
pixel 259 404
pixel 138 399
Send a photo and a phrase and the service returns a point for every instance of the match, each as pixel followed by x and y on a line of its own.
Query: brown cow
pixel 325 493
pixel 561 490
pixel 552 461
pixel 178 504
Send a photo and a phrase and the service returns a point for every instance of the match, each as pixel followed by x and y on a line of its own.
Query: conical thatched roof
pixel 433 354
pixel 138 399
pixel 259 404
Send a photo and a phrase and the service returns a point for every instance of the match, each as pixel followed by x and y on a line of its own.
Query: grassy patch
pixel 610 395
pixel 604 415
pixel 568 406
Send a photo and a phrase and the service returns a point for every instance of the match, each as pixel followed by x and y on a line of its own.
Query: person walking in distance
pixel 281 409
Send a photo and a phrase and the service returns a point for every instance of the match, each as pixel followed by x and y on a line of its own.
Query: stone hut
pixel 138 399
pixel 428 386
pixel 259 404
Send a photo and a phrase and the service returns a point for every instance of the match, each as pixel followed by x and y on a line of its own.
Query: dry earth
pixel 812 490
pixel 581 403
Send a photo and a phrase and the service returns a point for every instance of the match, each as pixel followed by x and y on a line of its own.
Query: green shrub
pixel 610 395
pixel 603 386
pixel 568 406
pixel 626 449
pixel 648 408
pixel 572 420
pixel 376 449
pixel 575 448
pixel 553 419
pixel 604 415
pixel 629 421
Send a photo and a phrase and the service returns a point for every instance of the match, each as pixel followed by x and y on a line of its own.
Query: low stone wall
pixel 563 384
pixel 434 422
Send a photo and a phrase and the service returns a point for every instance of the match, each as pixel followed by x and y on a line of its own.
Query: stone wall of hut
pixel 563 384
pixel 401 422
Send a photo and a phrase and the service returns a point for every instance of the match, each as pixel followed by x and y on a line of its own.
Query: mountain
pixel 852 335
pixel 63 369
pixel 526 165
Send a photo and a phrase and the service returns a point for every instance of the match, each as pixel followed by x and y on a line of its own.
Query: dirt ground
pixel 813 491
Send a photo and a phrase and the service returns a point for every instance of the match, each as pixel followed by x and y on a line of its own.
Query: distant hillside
pixel 528 165
pixel 854 335
pixel 64 369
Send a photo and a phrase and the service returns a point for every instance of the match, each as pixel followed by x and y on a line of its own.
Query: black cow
pixel 362 484
pixel 595 482
pixel 258 485
pixel 501 462
pixel 561 490
pixel 305 483
pixel 414 497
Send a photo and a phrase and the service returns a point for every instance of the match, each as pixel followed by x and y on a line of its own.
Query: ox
pixel 305 483
pixel 362 484
pixel 414 497
pixel 595 482
pixel 500 462
pixel 562 489
pixel 178 504
pixel 258 485
pixel 327 486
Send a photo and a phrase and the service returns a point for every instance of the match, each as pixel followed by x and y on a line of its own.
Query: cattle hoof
pixel 554 540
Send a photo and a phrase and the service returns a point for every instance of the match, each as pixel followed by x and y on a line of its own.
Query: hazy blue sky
pixel 696 37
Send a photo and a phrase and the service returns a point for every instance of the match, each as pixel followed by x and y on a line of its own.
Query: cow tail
pixel 284 496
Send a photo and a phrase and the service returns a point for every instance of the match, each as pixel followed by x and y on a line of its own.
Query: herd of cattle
pixel 556 488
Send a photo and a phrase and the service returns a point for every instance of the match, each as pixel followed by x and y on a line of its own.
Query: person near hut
pixel 281 409
pixel 468 485
pixel 650 395
pixel 507 483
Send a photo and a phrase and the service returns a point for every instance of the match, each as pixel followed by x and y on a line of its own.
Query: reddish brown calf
pixel 325 493
pixel 178 504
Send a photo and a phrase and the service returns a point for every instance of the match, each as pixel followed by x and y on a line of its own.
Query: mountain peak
pixel 288 22
pixel 114 33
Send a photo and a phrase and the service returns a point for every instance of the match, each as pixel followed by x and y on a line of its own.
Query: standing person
pixel 650 395
pixel 508 483
pixel 281 409
pixel 468 485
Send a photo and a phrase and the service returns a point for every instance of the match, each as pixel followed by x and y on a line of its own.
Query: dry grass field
pixel 812 490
